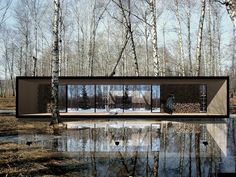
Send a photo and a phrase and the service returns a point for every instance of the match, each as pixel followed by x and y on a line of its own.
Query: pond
pixel 142 148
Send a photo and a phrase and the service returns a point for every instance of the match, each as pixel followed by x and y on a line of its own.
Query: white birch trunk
pixel 156 57
pixel 129 25
pixel 55 66
pixel 164 52
pixel 199 41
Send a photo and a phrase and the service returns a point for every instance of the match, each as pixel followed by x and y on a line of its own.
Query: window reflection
pixel 62 98
pixel 109 98
pixel 132 98
pixel 156 98
pixel 137 98
pixel 81 98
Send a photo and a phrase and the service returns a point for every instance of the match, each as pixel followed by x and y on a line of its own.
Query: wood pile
pixel 186 107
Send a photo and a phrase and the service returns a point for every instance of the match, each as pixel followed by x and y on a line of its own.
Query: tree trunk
pixel 156 57
pixel 156 164
pixel 182 150
pixel 26 51
pixel 55 66
pixel 132 40
pixel 199 41
pixel 189 38
pixel 180 40
pixel 190 155
pixel 146 43
pixel 164 51
pixel 121 53
pixel 197 154
pixel 210 63
pixel 20 62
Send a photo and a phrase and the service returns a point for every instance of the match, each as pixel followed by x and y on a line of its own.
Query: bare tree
pixel 36 12
pixel 94 26
pixel 4 7
pixel 126 14
pixel 231 8
pixel 55 65
pixel 199 40
pixel 22 15
pixel 188 13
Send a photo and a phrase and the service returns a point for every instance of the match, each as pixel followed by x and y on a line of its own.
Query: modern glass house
pixel 124 96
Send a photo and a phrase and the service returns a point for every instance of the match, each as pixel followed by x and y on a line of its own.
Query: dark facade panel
pixel 103 97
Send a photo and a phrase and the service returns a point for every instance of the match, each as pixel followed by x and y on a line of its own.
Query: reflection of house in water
pixel 104 138
pixel 101 138
pixel 219 134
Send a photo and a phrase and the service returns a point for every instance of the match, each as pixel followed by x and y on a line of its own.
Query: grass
pixel 23 160
pixel 8 103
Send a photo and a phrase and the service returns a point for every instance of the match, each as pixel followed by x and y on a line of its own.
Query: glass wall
pixel 81 98
pixel 156 98
pixel 62 98
pixel 131 98
pixel 109 98
pixel 137 98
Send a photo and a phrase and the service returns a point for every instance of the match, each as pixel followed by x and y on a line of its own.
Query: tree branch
pixel 131 13
pixel 121 53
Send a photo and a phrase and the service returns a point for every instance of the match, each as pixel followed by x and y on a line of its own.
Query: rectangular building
pixel 84 97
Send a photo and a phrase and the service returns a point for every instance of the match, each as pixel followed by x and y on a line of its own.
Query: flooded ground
pixel 118 148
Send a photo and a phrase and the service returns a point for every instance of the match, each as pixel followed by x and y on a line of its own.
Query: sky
pixel 171 23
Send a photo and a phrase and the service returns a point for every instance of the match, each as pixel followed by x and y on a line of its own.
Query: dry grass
pixel 23 160
pixel 8 103
pixel 11 125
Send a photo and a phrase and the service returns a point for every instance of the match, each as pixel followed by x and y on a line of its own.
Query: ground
pixel 31 160
pixel 7 103
pixel 24 160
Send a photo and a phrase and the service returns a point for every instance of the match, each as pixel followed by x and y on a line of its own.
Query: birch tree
pixel 22 15
pixel 156 57
pixel 126 14
pixel 55 65
pixel 188 14
pixel 199 40
pixel 34 7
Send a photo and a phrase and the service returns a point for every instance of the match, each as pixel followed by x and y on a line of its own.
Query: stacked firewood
pixel 187 107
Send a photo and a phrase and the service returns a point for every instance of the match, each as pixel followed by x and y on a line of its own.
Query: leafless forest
pixel 117 38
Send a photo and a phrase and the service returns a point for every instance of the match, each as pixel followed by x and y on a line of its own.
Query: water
pixel 147 148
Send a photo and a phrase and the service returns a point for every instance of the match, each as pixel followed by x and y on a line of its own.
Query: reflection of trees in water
pixel 182 152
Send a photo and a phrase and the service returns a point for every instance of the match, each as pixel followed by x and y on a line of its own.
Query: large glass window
pixel 62 98
pixel 81 98
pixel 156 98
pixel 137 98
pixel 109 98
